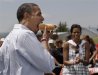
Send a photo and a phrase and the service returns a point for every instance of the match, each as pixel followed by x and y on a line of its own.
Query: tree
pixel 62 27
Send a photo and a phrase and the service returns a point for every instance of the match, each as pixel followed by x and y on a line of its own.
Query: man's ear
pixel 26 15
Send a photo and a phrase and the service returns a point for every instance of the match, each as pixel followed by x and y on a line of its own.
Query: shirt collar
pixel 18 26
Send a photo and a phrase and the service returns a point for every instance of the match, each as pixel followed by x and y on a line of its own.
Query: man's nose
pixel 42 18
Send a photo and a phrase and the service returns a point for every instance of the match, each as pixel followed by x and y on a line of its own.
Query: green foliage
pixel 62 27
pixel 95 40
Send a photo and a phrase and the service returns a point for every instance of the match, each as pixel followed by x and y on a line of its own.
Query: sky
pixel 83 12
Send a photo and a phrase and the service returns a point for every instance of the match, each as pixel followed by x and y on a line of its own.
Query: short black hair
pixel 75 26
pixel 25 7
pixel 58 41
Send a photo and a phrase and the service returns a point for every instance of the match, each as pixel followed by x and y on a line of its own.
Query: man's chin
pixel 36 31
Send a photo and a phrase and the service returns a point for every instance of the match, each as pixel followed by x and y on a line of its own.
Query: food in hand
pixel 48 27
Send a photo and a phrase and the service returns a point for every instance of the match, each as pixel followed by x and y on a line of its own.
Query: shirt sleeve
pixel 31 49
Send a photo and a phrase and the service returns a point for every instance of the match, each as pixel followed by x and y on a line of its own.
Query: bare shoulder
pixel 65 45
pixel 86 43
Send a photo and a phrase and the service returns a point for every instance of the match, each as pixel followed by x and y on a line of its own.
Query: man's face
pixel 35 19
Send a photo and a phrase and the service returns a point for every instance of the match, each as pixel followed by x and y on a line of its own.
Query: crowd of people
pixel 28 51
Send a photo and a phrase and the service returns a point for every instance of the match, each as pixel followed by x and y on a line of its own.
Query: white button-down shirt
pixel 22 54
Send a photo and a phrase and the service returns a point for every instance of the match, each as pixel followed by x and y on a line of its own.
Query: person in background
pixel 22 52
pixel 92 48
pixel 95 58
pixel 56 51
pixel 58 55
pixel 59 48
pixel 76 54
pixel 52 48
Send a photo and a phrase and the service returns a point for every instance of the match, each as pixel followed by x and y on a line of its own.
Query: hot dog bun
pixel 48 27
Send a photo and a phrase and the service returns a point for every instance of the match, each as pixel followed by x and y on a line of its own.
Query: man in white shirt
pixel 21 52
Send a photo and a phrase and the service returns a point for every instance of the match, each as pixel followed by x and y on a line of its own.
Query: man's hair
pixel 75 26
pixel 58 41
pixel 26 7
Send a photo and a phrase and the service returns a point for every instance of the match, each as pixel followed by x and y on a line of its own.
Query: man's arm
pixel 31 49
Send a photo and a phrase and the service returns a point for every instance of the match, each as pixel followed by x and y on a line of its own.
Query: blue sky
pixel 83 12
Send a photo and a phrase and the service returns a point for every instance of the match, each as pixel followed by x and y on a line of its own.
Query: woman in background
pixel 76 53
